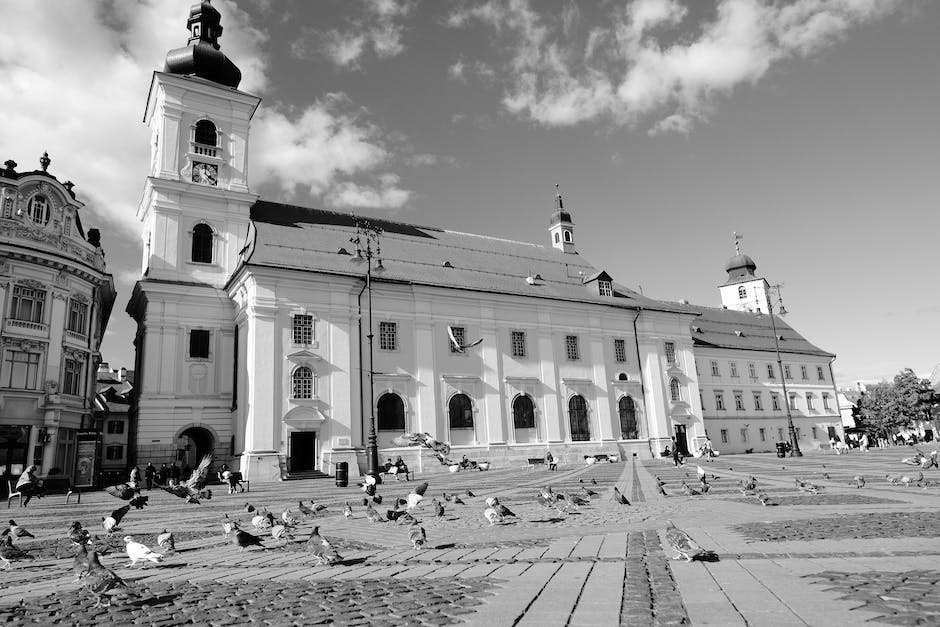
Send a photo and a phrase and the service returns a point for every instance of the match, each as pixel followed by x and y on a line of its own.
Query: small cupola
pixel 561 228
pixel 202 56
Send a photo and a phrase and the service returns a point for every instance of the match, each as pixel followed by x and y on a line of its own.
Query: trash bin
pixel 342 474
pixel 781 452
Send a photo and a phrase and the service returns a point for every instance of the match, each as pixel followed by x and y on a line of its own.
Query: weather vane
pixel 737 242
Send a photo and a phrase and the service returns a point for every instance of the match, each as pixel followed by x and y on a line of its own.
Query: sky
pixel 808 126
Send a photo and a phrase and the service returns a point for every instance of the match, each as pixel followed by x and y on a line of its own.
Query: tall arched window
pixel 205 133
pixel 742 292
pixel 390 413
pixel 202 243
pixel 460 411
pixel 627 410
pixel 302 383
pixel 674 390
pixel 39 209
pixel 578 419
pixel 523 412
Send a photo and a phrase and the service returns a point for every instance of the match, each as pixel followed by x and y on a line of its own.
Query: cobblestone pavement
pixel 600 564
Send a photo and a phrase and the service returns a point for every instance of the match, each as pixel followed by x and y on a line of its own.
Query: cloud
pixel 386 194
pixel 380 28
pixel 645 63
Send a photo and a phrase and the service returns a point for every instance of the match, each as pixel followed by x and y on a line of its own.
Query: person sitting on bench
pixel 402 469
pixel 29 486
pixel 550 461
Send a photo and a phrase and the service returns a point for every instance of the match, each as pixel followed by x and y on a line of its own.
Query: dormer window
pixel 605 288
pixel 39 210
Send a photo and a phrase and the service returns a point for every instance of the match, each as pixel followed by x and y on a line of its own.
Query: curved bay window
pixel 674 394
pixel 202 243
pixel 390 413
pixel 628 427
pixel 460 412
pixel 302 383
pixel 523 412
pixel 578 419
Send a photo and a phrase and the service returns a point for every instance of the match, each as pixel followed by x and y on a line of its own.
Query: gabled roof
pixel 728 328
pixel 305 239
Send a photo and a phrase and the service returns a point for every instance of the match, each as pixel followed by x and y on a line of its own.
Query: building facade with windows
pixel 56 296
pixel 259 341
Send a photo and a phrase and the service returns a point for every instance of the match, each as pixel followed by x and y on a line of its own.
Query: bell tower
pixel 744 290
pixel 561 228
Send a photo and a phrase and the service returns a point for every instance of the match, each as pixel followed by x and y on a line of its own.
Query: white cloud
pixel 380 28
pixel 387 194
pixel 633 65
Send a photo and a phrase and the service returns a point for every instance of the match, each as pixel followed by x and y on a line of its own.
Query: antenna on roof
pixel 737 242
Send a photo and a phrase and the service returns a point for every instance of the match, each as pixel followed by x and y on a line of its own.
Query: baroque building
pixel 56 297
pixel 265 338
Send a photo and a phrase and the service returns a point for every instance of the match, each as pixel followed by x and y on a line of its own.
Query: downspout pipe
pixel 639 365
pixel 362 413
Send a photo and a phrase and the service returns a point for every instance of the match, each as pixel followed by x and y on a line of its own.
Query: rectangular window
pixel 27 304
pixel 775 401
pixel 571 347
pixel 518 343
pixel 770 372
pixel 734 368
pixel 739 401
pixel 793 401
pixel 724 436
pixel 116 427
pixel 819 373
pixel 758 403
pixel 803 372
pixel 670 352
pixel 763 434
pixel 72 380
pixel 719 400
pixel 20 370
pixel 114 452
pixel 460 337
pixel 743 434
pixel 825 401
pixel 786 372
pixel 199 344
pixel 78 314
pixel 809 401
pixel 302 329
pixel 620 350
pixel 605 288
pixel 715 371
pixel 388 336
pixel 780 434
pixel 815 435
pixel 752 371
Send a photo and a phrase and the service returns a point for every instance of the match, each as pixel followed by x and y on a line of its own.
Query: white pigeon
pixel 137 552
pixel 228 526
pixel 288 518
pixel 109 523
pixel 492 515
pixel 166 541
pixel 700 471
pixel 491 501
pixel 281 533
pixel 414 499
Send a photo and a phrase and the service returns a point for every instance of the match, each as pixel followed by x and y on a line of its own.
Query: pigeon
pixel 263 521
pixel 470 494
pixel 619 498
pixel 193 488
pixel 689 491
pixel 764 499
pixel 123 491
pixel 110 523
pixel 10 553
pixel 892 479
pixel 417 536
pixel 78 535
pixel 700 470
pixel 347 510
pixel 492 516
pixel 244 539
pixel 140 552
pixel 317 507
pixel 228 526
pixel 659 481
pixel 139 502
pixel 377 499
pixel 372 515
pixel 458 501
pixel 18 532
pixel 586 493
pixel 662 490
pixel 80 562
pixel 504 511
pixel 546 498
pixel 906 481
pixel 303 509
pixel 101 582
pixel 166 541
pixel 806 486
pixel 281 533
pixel 438 508
pixel 406 519
pixel 686 547
pixel 288 518
pixel 593 481
pixel 249 507
pixel 826 475
pixel 859 481
pixel 706 487
pixel 576 499
pixel 365 501
pixel 323 551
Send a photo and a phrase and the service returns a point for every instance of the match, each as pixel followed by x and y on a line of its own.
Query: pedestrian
pixel 174 474
pixel 134 478
pixel 149 473
pixel 550 461
pixel 677 456
pixel 163 475
pixel 709 451
pixel 29 485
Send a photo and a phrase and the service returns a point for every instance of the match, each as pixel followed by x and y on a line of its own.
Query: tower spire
pixel 559 203
pixel 561 228
pixel 737 242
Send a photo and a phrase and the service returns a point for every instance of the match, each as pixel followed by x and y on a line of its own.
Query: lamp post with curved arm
pixel 794 443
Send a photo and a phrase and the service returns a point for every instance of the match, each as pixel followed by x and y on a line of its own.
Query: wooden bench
pixel 532 462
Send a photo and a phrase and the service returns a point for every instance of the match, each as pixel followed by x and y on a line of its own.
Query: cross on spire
pixel 737 242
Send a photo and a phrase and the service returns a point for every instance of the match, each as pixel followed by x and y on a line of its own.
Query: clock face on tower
pixel 205 173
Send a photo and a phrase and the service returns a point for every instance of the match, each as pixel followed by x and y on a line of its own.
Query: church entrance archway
pixel 194 444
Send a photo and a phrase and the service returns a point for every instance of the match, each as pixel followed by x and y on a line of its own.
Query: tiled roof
pixel 306 239
pixel 728 328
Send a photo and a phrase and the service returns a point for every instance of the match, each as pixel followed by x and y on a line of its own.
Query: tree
pixel 878 409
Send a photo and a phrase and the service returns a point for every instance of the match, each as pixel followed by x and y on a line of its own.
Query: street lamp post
pixel 794 443
pixel 367 248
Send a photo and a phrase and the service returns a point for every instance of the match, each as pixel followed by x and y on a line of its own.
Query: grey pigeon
pixel 101 582
pixel 10 554
pixel 78 535
pixel 166 541
pixel 417 535
pixel 323 552
pixel 244 540
pixel 686 547
pixel 17 531
pixel 438 508
pixel 619 498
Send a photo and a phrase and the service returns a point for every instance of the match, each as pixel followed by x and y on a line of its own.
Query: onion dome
pixel 202 56
pixel 559 215
pixel 740 267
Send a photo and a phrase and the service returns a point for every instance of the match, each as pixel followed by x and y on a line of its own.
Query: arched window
pixel 523 412
pixel 578 419
pixel 557 238
pixel 39 210
pixel 206 133
pixel 623 377
pixel 202 243
pixel 390 413
pixel 567 236
pixel 627 409
pixel 674 390
pixel 302 382
pixel 742 292
pixel 460 411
